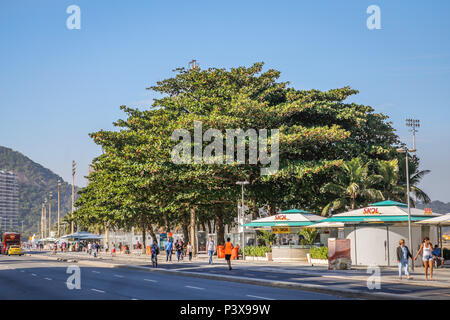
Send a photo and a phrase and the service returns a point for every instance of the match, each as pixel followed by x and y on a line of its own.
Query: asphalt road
pixel 41 279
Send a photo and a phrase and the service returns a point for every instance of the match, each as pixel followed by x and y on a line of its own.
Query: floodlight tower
pixel 414 124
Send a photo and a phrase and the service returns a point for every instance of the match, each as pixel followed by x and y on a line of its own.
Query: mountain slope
pixel 35 183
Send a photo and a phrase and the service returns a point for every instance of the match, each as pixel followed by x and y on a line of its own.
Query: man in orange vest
pixel 228 251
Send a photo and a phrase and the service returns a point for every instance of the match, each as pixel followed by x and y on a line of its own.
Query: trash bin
pixel 235 253
pixel 220 252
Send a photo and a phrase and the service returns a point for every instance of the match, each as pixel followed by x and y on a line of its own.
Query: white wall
pixel 370 243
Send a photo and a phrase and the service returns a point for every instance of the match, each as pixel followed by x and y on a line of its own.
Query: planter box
pixel 316 261
pixel 251 258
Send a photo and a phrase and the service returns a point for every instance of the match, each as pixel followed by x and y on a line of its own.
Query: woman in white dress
pixel 426 248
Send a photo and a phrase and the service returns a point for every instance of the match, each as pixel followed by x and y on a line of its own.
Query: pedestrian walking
pixel 179 250
pixel 211 246
pixel 403 254
pixel 155 251
pixel 106 247
pixel 426 247
pixel 228 252
pixel 96 246
pixel 89 247
pixel 168 248
pixel 189 250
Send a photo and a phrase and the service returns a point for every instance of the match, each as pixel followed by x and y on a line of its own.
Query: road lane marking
pixel 34 274
pixel 258 297
pixel 151 280
pixel 118 276
pixel 96 290
pixel 95 271
pixel 47 278
pixel 191 287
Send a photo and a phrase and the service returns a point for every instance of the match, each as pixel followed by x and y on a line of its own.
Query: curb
pixel 347 293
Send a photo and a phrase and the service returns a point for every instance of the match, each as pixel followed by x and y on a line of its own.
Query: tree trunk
pixel 271 209
pixel 144 242
pixel 209 226
pixel 152 233
pixel 185 227
pixel 106 234
pixel 193 233
pixel 220 228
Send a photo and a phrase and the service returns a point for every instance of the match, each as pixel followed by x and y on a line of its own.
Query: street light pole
pixel 45 217
pixel 50 213
pixel 42 221
pixel 74 169
pixel 406 151
pixel 59 190
pixel 241 218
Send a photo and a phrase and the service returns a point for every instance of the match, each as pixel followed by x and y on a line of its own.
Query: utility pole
pixel 59 191
pixel 74 170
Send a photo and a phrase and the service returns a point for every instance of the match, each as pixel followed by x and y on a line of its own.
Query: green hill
pixel 35 183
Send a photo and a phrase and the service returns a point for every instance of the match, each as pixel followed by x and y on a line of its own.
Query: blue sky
pixel 58 85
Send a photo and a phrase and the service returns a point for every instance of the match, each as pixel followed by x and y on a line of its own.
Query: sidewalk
pixel 349 283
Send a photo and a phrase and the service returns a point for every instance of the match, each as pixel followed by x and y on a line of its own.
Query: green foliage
pixel 257 251
pixel 319 253
pixel 136 183
pixel 35 183
pixel 267 238
pixel 353 185
pixel 309 235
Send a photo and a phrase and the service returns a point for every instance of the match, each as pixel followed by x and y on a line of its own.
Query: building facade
pixel 9 202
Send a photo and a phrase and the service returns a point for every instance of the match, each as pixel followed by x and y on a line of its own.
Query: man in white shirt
pixel 211 246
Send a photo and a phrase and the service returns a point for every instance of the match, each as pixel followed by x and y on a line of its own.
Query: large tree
pixel 318 133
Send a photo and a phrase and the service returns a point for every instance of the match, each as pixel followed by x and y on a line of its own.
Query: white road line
pixel 258 297
pixel 118 276
pixel 47 278
pixel 96 290
pixel 191 287
pixel 34 274
pixel 151 280
pixel 134 299
pixel 22 271
pixel 95 272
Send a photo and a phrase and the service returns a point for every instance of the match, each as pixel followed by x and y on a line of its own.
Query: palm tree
pixel 352 186
pixel 415 176
pixel 390 176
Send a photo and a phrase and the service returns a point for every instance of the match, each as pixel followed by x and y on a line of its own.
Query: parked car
pixel 15 250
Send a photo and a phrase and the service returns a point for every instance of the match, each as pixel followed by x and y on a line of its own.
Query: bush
pixel 253 251
pixel 319 253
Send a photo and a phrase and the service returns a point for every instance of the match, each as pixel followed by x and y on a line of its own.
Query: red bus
pixel 9 239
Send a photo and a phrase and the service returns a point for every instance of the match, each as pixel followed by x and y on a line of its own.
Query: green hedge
pixel 319 253
pixel 253 251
